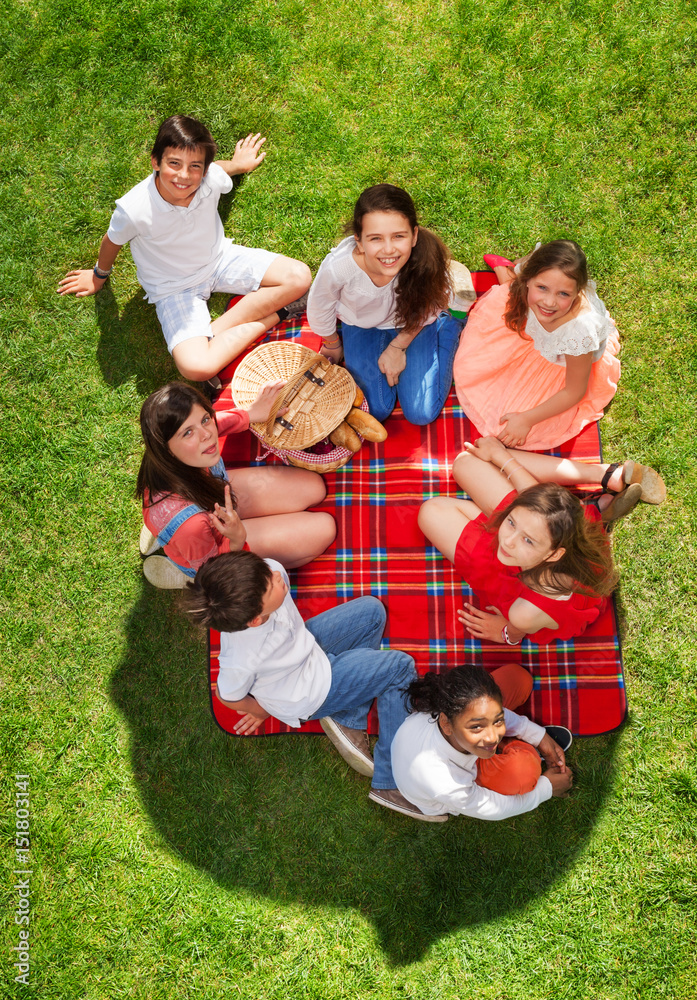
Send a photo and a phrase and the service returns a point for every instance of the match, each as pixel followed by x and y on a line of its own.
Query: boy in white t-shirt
pixel 330 668
pixel 182 255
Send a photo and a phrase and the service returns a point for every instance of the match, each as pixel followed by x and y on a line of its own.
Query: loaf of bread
pixel 345 437
pixel 367 426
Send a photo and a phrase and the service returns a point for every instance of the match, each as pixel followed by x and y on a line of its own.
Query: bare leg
pixel 504 274
pixel 566 471
pixel 486 484
pixel 545 469
pixel 275 489
pixel 285 281
pixel 200 358
pixel 272 502
pixel 292 539
pixel 443 519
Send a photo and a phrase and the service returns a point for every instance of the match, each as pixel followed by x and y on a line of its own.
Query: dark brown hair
pixel 563 254
pixel 228 591
pixel 452 692
pixel 182 132
pixel 161 416
pixel 586 566
pixel 423 285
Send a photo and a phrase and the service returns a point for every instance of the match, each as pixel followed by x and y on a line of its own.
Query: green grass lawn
pixel 168 860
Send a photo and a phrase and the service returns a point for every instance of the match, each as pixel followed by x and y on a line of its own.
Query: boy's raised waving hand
pixel 247 157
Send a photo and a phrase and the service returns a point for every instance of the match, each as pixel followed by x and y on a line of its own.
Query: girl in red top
pixel 536 558
pixel 194 510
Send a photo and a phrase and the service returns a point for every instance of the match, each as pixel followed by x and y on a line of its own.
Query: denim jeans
pixel 424 384
pixel 350 635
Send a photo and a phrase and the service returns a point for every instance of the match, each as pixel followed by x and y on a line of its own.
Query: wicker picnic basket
pixel 317 397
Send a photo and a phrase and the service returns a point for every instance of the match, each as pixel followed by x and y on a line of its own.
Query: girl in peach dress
pixel 537 360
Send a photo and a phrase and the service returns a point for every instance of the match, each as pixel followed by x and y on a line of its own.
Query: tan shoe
pixel 393 799
pixel 653 489
pixel 352 744
pixel 621 504
pixel 163 574
pixel 148 543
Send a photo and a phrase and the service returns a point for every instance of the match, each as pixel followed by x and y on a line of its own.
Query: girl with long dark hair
pixel 390 285
pixel 193 509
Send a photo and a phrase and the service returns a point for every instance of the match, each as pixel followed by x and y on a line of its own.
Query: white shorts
pixel 184 315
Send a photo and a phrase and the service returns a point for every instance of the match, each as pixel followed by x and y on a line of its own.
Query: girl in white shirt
pixel 390 286
pixel 450 755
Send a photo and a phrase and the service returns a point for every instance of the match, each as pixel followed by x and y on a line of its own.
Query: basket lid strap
pixel 292 387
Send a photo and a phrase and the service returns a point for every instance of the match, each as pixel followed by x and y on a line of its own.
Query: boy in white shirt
pixel 182 255
pixel 330 668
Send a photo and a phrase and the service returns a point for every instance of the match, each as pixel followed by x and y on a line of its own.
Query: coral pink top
pixel 497 585
pixel 196 540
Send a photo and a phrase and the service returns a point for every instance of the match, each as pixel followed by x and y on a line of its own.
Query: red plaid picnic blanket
pixel 380 550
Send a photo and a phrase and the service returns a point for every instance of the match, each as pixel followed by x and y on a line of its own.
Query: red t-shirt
pixel 497 585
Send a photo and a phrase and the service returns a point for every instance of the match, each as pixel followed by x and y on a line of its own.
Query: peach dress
pixel 496 371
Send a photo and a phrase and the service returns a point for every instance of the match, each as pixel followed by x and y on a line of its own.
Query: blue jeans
pixel 350 635
pixel 424 384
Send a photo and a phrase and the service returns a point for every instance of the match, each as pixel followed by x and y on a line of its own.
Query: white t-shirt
pixel 174 248
pixel 439 779
pixel 280 663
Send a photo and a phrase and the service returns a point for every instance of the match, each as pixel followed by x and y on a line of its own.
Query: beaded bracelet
pixel 102 275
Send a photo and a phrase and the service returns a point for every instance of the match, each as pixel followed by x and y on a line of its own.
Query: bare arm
pixel 247 157
pixel 253 715
pixel 523 619
pixel 85 282
pixel 393 359
pixel 491 450
pixel 489 625
pixel 519 425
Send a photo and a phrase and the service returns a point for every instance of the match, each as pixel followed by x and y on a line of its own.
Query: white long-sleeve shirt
pixel 341 288
pixel 440 779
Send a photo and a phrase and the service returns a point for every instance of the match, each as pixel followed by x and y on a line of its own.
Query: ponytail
pixel 452 692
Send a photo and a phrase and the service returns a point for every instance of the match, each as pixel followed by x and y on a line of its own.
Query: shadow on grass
pixel 131 345
pixel 284 817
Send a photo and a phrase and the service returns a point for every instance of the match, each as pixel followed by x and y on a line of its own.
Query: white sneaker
pixel 163 574
pixel 148 542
